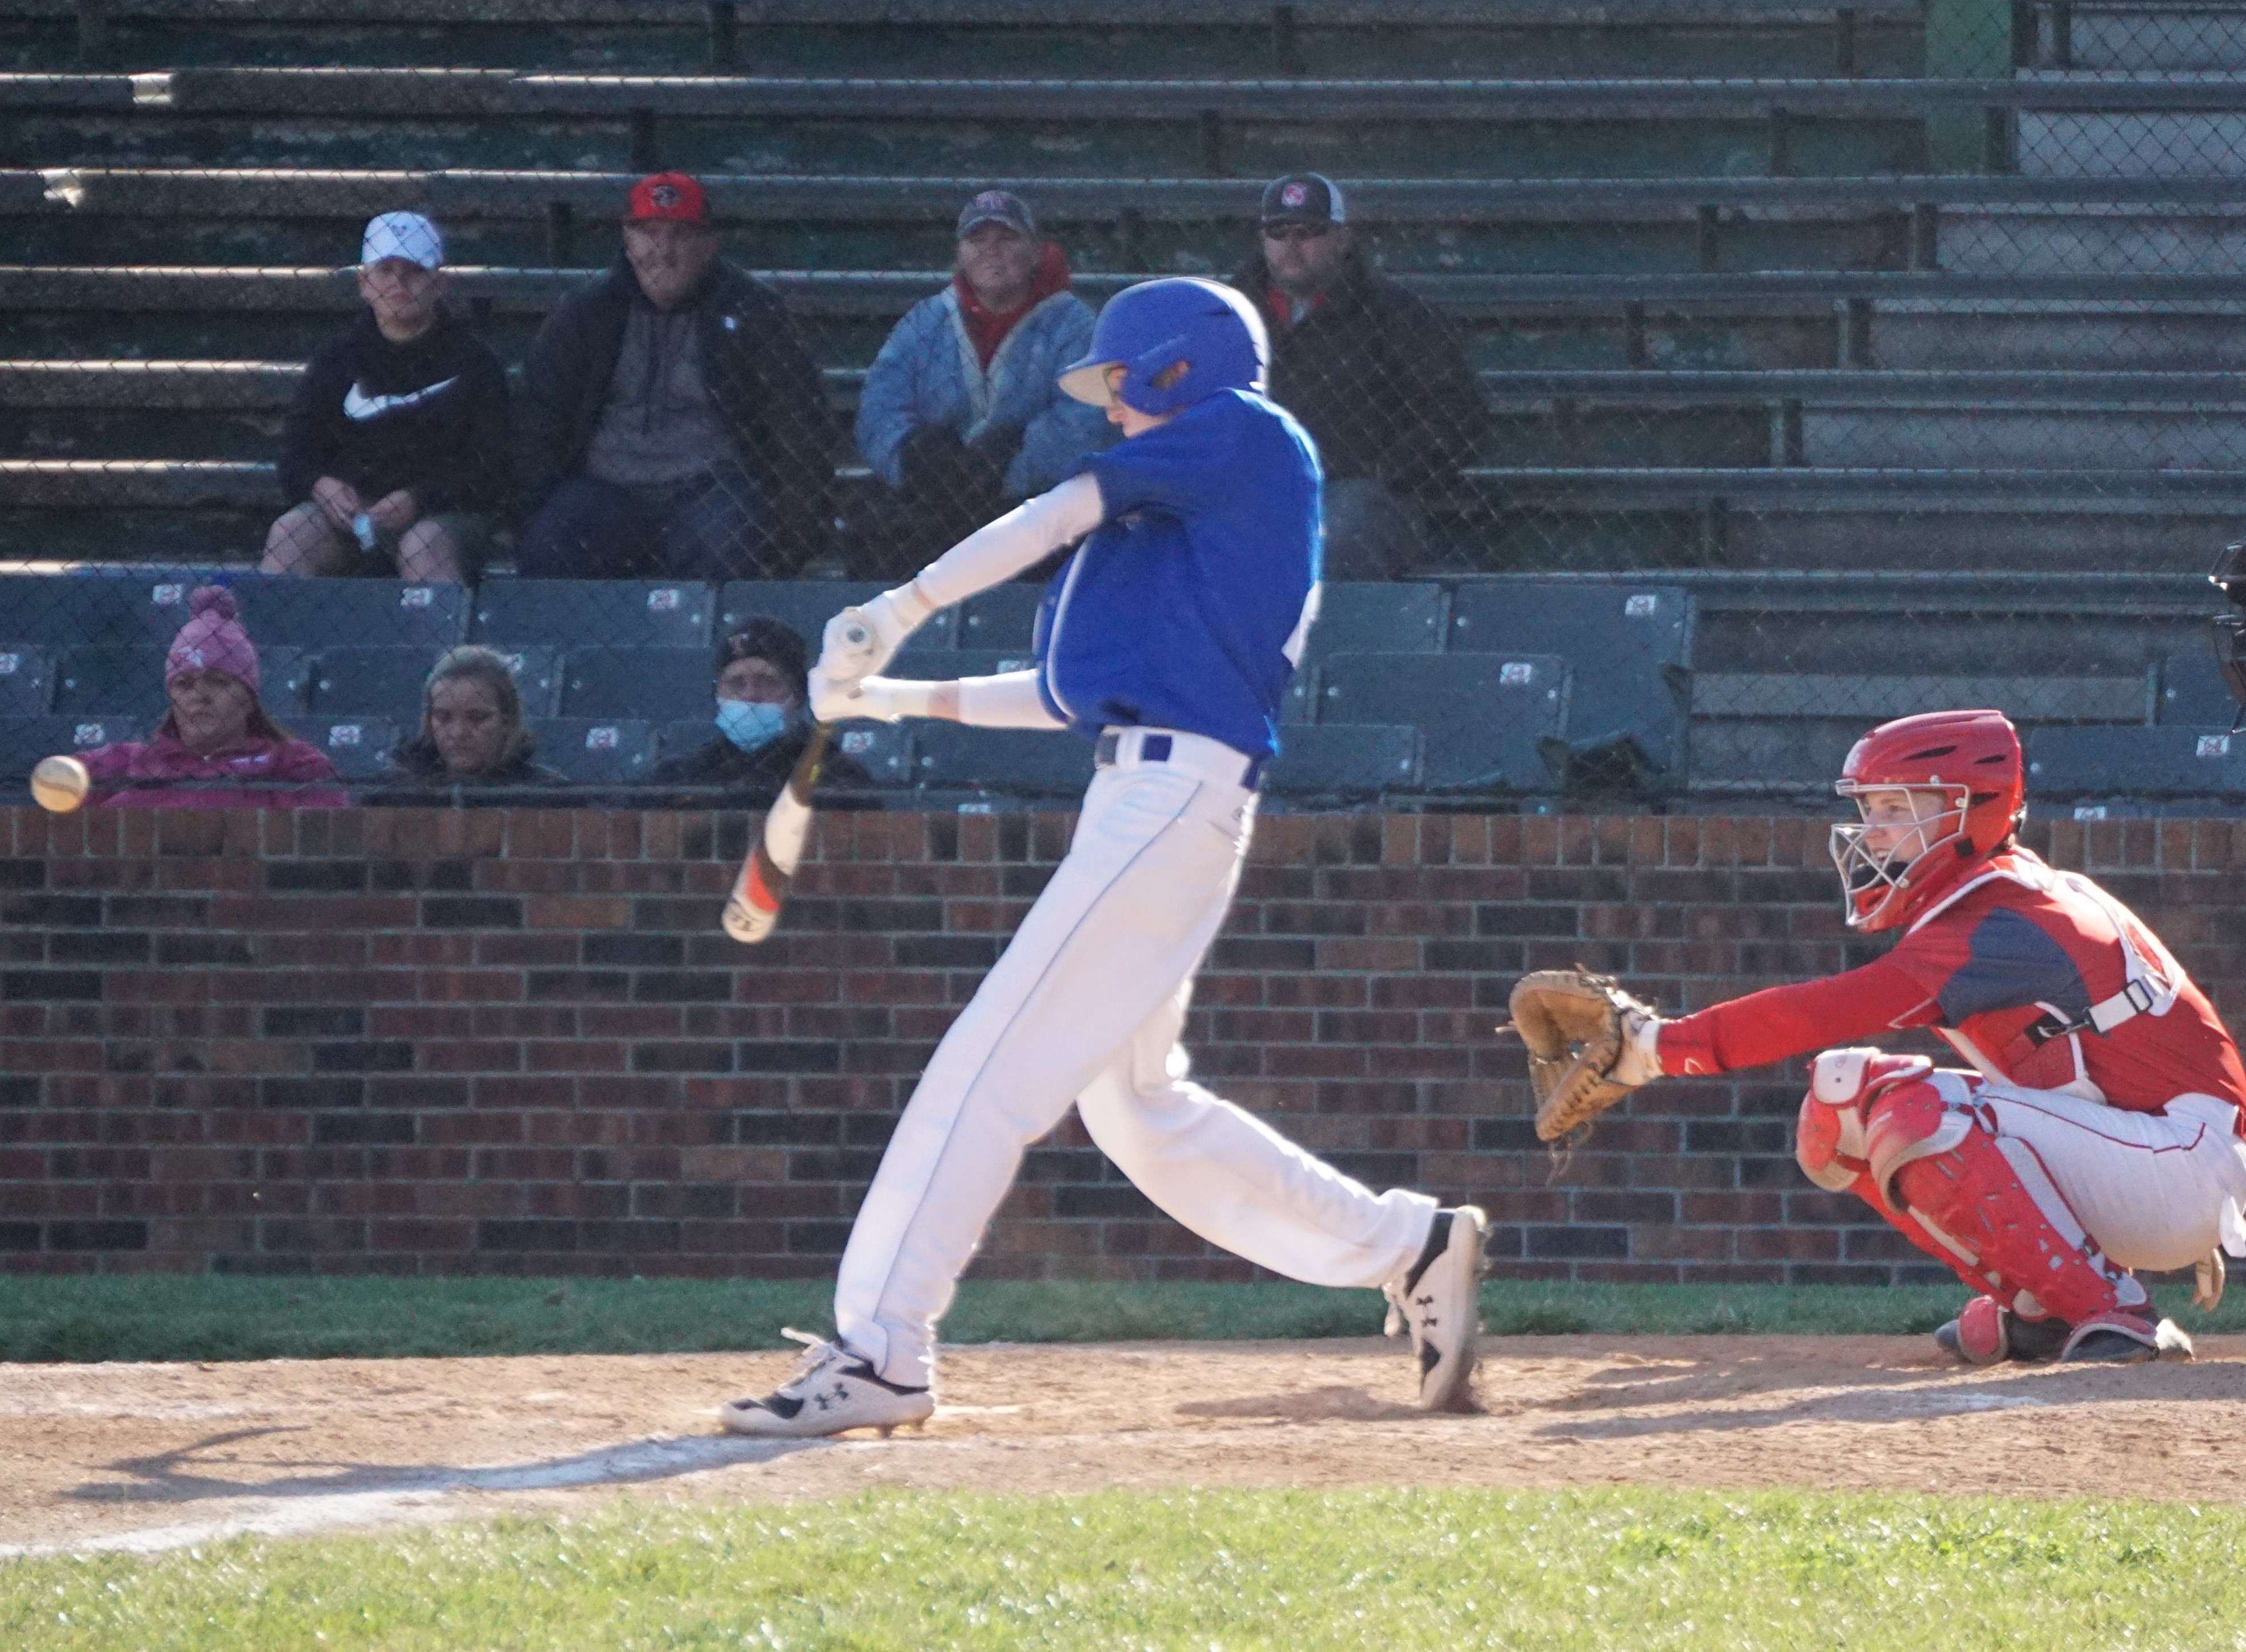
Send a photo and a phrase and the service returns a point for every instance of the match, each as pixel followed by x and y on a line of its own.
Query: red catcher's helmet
pixel 1973 759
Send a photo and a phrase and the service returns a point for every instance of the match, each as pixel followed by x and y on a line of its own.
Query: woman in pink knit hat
pixel 217 738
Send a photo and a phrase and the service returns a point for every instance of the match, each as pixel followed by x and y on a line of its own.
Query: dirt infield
pixel 149 1456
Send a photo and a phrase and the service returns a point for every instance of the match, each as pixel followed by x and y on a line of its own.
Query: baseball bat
pixel 760 890
pixel 752 911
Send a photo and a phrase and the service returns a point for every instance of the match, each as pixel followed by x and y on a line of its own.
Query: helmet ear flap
pixel 1150 377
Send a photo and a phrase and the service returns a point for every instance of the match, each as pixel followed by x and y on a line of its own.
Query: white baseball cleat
pixel 1440 1303
pixel 833 1390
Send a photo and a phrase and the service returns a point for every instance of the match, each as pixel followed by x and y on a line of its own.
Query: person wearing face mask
pixel 217 747
pixel 677 425
pixel 473 748
pixel 763 724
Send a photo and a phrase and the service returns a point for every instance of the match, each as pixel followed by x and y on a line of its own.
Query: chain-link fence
pixel 1696 384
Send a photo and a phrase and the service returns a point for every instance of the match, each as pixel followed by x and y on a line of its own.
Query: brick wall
pixel 516 1042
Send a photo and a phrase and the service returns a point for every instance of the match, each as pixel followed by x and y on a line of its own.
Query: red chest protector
pixel 2085 998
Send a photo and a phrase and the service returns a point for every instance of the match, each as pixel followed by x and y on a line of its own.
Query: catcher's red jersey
pixel 2012 968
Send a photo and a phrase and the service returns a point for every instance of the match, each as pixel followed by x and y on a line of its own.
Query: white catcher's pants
pixel 1085 1005
pixel 2154 1191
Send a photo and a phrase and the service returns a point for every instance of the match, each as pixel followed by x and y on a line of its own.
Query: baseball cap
pixel 997 206
pixel 669 194
pixel 1303 198
pixel 402 235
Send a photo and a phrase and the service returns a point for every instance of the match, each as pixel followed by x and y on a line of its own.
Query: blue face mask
pixel 752 724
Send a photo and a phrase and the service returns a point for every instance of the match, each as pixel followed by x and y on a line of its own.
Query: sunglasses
pixel 1296 232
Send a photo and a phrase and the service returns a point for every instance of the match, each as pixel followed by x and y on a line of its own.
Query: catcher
pixel 2098 1128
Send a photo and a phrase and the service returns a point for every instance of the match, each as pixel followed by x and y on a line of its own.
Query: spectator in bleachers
pixel 216 741
pixel 961 413
pixel 473 741
pixel 764 723
pixel 678 426
pixel 1375 373
pixel 395 453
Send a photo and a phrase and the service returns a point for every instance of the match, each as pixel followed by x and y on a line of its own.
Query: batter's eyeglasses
pixel 1296 232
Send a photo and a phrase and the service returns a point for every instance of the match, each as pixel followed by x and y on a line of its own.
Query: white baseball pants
pixel 1085 1005
pixel 2154 1192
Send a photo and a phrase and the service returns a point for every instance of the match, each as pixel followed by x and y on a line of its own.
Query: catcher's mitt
pixel 1577 1027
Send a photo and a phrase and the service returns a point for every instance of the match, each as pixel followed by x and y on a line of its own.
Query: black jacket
pixel 1378 378
pixel 417 778
pixel 430 416
pixel 767 386
pixel 752 779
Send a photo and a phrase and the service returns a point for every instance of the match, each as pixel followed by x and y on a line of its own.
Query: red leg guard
pixel 1831 1140
pixel 1988 1201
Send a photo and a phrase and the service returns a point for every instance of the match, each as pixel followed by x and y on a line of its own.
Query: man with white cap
pixel 397 450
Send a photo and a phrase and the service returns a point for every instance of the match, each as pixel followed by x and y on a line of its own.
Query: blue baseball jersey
pixel 1187 606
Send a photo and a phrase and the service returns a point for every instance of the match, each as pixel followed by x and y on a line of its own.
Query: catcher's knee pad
pixel 1987 1199
pixel 1830 1139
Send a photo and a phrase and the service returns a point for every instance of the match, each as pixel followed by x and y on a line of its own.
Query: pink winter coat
pixel 168 765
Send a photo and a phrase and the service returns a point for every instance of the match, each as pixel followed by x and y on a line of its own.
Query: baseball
pixel 59 785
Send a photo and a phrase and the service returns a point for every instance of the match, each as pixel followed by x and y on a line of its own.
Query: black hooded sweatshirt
pixel 429 416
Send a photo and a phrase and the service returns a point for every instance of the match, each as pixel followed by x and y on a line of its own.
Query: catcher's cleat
pixel 2124 1338
pixel 833 1390
pixel 1986 1332
pixel 1440 1303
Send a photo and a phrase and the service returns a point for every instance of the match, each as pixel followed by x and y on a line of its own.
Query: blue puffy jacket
pixel 929 373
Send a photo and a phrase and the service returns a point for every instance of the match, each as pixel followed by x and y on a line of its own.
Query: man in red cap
pixel 676 424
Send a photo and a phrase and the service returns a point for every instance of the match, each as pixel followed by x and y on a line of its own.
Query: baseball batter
pixel 2098 1129
pixel 1167 639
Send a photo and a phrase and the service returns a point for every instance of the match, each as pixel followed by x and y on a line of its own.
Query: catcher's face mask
pixel 1903 827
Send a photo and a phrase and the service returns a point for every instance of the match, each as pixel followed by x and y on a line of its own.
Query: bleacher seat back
pixel 2193 694
pixel 122 682
pixel 883 750
pixel 372 681
pixel 1344 760
pixel 319 614
pixel 2136 762
pixel 359 747
pixel 1003 618
pixel 537 671
pixel 952 756
pixel 24 740
pixel 933 665
pixel 389 681
pixel 1627 645
pixel 116 607
pixel 285 679
pixel 1372 617
pixel 601 750
pixel 27 681
pixel 1481 717
pixel 650 685
pixel 618 614
pixel 805 606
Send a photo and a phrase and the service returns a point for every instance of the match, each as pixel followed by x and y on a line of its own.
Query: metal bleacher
pixel 1840 366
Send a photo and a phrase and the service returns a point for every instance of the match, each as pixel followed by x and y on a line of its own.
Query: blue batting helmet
pixel 1177 341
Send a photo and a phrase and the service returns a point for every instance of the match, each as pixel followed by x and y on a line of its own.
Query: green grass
pixel 223 1317
pixel 1626 1568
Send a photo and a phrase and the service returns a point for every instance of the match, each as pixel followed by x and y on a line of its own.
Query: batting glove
pixel 859 642
pixel 880 699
